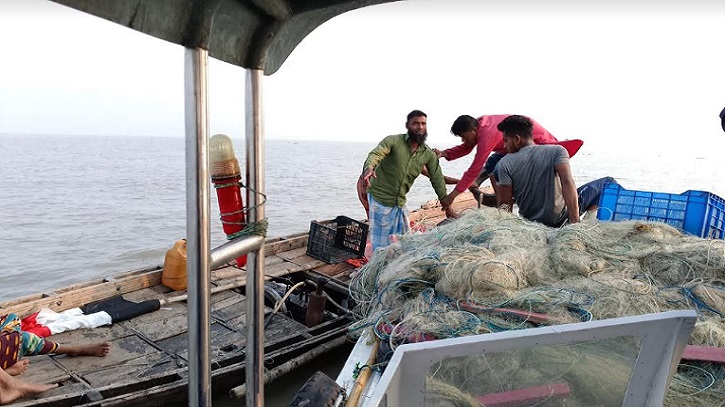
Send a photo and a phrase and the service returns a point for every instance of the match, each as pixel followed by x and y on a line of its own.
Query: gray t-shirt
pixel 536 186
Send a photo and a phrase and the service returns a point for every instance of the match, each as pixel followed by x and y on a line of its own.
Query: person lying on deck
pixel 539 178
pixel 16 343
pixel 483 135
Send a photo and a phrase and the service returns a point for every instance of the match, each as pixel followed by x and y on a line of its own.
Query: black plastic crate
pixel 337 240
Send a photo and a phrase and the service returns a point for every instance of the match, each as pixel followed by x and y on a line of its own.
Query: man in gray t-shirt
pixel 539 178
pixel 531 173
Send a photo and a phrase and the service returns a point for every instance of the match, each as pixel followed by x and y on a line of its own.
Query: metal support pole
pixel 255 263
pixel 197 224
pixel 231 250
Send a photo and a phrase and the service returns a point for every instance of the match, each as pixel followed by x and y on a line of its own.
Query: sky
pixel 640 74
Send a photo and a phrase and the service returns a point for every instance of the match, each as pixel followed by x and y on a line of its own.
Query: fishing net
pixel 491 271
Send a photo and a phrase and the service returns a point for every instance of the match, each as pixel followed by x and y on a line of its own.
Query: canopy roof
pixel 256 34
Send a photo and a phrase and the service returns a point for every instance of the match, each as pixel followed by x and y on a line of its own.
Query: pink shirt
pixel 489 139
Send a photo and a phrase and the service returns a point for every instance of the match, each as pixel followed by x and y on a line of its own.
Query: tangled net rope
pixel 489 270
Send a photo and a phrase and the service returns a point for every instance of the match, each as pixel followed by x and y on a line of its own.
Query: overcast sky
pixel 634 73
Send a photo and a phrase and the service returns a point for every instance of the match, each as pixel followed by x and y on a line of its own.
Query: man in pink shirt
pixel 482 134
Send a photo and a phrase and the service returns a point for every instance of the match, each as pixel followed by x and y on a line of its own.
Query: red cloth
pixel 29 324
pixel 489 139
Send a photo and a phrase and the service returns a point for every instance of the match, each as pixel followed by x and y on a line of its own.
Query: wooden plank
pixel 179 344
pixel 66 395
pixel 164 325
pixel 303 260
pixel 144 294
pixel 85 295
pixel 280 328
pixel 80 294
pixel 272 260
pixel 525 397
pixel 291 254
pixel 167 394
pixel 344 276
pixel 166 328
pixel 89 335
pixel 122 350
pixel 139 368
pixel 704 354
pixel 333 269
pixel 282 269
pixel 226 299
pixel 227 272
pixel 298 234
pixel 286 245
pixel 43 370
pixel 276 268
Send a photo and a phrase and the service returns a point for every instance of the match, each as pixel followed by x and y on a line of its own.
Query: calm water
pixel 77 208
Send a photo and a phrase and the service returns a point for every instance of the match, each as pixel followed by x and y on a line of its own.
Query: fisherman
pixel 16 343
pixel 482 134
pixel 539 178
pixel 390 170
pixel 362 193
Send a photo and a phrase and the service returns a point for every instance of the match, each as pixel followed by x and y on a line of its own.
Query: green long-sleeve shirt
pixel 396 168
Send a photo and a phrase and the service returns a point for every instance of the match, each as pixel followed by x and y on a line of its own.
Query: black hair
pixel 416 113
pixel 516 125
pixel 463 124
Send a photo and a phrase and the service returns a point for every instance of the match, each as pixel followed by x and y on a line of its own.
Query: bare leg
pixel 88 349
pixel 18 368
pixel 12 389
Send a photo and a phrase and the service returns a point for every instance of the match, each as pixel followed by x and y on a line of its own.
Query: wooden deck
pixel 147 365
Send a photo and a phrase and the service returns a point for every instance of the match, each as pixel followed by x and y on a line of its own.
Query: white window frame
pixel 663 337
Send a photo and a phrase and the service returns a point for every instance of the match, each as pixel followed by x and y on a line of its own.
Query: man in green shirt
pixel 390 170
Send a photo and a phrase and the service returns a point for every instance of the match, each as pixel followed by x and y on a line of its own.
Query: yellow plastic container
pixel 174 274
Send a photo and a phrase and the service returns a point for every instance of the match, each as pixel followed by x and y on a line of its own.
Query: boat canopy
pixel 254 34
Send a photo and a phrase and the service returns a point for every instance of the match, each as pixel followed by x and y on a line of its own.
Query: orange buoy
pixel 174 274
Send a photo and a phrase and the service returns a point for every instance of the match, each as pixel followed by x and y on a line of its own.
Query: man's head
pixel 517 132
pixel 466 127
pixel 417 126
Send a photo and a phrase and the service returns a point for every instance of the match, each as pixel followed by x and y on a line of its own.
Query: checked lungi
pixel 386 222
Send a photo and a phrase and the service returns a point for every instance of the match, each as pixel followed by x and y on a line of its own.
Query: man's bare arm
pixel 568 191
pixel 448 180
pixel 505 197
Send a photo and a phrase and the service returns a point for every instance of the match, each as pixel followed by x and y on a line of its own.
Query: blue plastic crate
pixel 699 213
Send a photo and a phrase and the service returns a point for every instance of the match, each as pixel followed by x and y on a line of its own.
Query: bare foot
pixel 90 349
pixel 18 368
pixel 12 389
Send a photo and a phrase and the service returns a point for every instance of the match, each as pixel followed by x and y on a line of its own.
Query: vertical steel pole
pixel 255 265
pixel 197 224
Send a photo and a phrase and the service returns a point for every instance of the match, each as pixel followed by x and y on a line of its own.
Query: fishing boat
pixel 179 348
pixel 149 358
pixel 149 361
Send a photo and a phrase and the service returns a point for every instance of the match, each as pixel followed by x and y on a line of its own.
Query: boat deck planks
pixel 147 364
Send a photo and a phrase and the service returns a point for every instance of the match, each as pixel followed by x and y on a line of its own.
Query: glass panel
pixel 589 374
